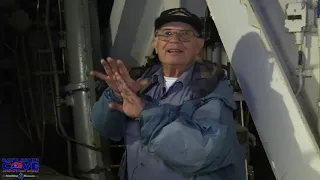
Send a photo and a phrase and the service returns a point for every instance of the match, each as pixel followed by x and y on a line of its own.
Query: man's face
pixel 176 43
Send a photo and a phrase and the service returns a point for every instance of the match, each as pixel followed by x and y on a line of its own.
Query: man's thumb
pixel 116 106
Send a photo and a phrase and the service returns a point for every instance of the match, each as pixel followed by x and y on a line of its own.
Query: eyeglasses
pixel 182 35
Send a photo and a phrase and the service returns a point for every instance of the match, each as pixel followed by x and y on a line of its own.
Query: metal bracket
pixel 71 88
pixel 305 73
pixel 77 87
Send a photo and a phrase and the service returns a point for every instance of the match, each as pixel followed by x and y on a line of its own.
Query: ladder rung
pixel 39 73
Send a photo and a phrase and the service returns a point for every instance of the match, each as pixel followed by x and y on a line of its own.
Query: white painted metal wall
pixel 282 126
pixel 272 16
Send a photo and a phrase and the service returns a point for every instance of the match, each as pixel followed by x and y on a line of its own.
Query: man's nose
pixel 174 38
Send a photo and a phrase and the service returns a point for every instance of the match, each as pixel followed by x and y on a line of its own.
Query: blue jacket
pixel 195 140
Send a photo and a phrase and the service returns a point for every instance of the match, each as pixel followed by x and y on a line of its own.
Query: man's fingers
pixel 126 92
pixel 123 70
pixel 104 77
pixel 128 98
pixel 99 75
pixel 111 83
pixel 113 65
pixel 109 80
pixel 116 106
pixel 123 88
pixel 106 67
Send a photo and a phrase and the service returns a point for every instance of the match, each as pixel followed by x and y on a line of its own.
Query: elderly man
pixel 177 119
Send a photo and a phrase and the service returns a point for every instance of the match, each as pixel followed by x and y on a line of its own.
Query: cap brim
pixel 188 20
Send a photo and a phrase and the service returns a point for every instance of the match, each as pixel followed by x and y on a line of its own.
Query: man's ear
pixel 154 44
pixel 200 44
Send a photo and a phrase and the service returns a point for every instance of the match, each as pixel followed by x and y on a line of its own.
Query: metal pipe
pixel 60 15
pixel 81 87
pixel 232 76
pixel 217 53
pixel 95 33
pixel 242 114
pixel 43 116
pixel 29 86
pixel 61 35
pixel 224 58
pixel 300 69
pixel 96 56
pixel 318 28
pixel 56 94
pixel 242 124
pixel 38 7
pixel 300 36
pixel 209 52
pixel 23 101
pixel 43 104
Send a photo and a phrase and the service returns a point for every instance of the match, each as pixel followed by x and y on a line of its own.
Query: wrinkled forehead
pixel 178 26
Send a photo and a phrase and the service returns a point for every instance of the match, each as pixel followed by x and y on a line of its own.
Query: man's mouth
pixel 174 51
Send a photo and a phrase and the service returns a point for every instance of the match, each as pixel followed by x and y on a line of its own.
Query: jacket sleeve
pixel 188 139
pixel 108 122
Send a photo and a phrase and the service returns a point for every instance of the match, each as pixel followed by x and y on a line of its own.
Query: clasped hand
pixel 124 87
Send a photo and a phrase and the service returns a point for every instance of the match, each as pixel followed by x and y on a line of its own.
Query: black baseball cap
pixel 179 15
